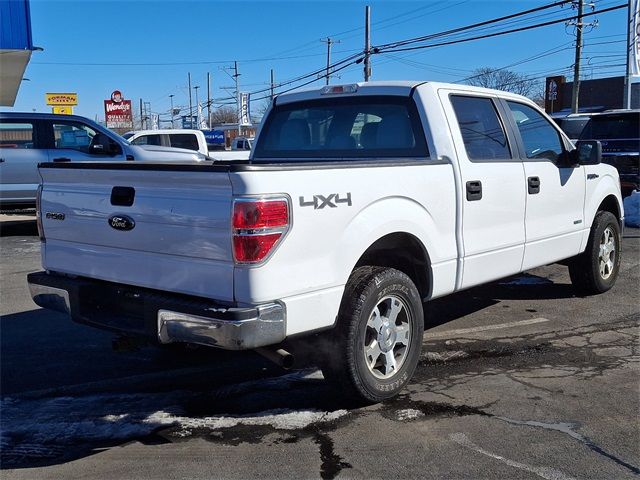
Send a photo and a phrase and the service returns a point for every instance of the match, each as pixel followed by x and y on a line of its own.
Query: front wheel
pixel 376 343
pixel 596 269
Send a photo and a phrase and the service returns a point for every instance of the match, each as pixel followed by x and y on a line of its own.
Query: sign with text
pixel 634 53
pixel 117 111
pixel 66 99
pixel 553 93
pixel 245 113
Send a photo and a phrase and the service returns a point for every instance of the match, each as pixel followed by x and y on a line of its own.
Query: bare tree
pixel 224 114
pixel 506 80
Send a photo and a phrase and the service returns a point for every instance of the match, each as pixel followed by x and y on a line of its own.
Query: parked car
pixel 619 133
pixel 242 143
pixel 189 139
pixel 27 139
pixel 572 124
pixel 179 138
pixel 359 203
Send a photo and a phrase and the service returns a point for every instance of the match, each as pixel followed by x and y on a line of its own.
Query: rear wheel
pixel 376 343
pixel 596 269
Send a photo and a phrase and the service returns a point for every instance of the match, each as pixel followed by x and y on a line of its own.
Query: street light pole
pixel 198 109
pixel 171 99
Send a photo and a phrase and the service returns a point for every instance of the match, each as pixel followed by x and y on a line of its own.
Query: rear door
pixel 20 153
pixel 554 193
pixel 492 179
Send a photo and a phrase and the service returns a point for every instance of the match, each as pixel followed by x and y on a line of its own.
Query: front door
pixel 70 140
pixel 554 220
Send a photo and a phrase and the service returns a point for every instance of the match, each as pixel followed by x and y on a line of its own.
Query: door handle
pixel 474 190
pixel 533 185
pixel 62 159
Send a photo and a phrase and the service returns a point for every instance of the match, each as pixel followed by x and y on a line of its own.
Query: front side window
pixel 16 135
pixel 73 135
pixel 343 128
pixel 147 140
pixel 482 132
pixel 540 139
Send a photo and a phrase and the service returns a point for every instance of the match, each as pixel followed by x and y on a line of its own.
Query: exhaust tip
pixel 280 357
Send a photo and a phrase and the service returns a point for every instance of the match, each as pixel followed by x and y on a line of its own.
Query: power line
pixel 495 34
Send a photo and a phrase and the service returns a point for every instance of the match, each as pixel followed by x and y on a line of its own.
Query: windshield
pixel 340 128
pixel 612 126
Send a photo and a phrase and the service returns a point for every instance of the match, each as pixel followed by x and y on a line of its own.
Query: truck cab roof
pixel 390 87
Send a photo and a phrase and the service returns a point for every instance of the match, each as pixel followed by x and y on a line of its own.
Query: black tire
pixel 584 270
pixel 387 290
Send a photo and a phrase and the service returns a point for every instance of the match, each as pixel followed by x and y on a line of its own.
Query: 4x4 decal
pixel 331 201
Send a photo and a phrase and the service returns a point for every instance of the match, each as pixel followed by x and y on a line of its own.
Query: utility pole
pixel 576 66
pixel 198 109
pixel 239 106
pixel 141 116
pixel 273 85
pixel 367 43
pixel 171 99
pixel 190 104
pixel 208 99
pixel 329 42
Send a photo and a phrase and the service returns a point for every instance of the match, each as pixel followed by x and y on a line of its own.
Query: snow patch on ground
pixel 278 419
pixel 48 427
pixel 408 414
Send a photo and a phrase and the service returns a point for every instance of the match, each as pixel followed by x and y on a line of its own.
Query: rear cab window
pixel 612 126
pixel 342 128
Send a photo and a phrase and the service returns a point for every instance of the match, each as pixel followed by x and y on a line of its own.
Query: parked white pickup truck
pixel 359 203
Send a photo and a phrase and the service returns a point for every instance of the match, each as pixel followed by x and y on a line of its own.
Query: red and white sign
pixel 117 111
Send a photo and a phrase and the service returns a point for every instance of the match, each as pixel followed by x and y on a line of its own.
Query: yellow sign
pixel 64 110
pixel 62 98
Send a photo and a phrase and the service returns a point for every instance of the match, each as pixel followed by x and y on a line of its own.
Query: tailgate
pixel 175 235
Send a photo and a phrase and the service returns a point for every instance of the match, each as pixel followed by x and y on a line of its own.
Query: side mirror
pixel 589 152
pixel 103 145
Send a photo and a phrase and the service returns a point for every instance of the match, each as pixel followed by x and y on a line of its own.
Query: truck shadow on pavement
pixel 70 396
pixel 18 228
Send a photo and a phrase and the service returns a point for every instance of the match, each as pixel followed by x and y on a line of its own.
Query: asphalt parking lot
pixel 518 379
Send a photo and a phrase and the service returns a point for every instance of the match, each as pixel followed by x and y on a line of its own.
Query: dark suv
pixel 619 133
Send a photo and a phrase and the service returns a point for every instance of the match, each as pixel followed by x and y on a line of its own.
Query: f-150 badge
pixel 332 201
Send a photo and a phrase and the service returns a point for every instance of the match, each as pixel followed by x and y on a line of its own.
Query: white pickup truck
pixel 359 203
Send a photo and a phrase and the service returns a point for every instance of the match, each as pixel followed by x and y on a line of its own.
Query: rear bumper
pixel 159 316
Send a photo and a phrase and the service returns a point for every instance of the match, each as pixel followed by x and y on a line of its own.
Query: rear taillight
pixel 258 225
pixel 39 213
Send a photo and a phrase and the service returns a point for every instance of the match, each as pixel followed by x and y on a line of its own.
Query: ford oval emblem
pixel 121 222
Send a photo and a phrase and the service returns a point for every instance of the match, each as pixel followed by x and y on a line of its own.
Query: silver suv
pixel 27 139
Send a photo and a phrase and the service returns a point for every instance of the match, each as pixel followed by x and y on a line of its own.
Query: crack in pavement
pixel 547 473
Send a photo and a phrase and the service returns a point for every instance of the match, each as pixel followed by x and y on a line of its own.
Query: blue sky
pixel 146 48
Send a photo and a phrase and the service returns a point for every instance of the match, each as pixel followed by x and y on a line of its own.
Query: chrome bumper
pixel 50 297
pixel 267 327
pixel 159 316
